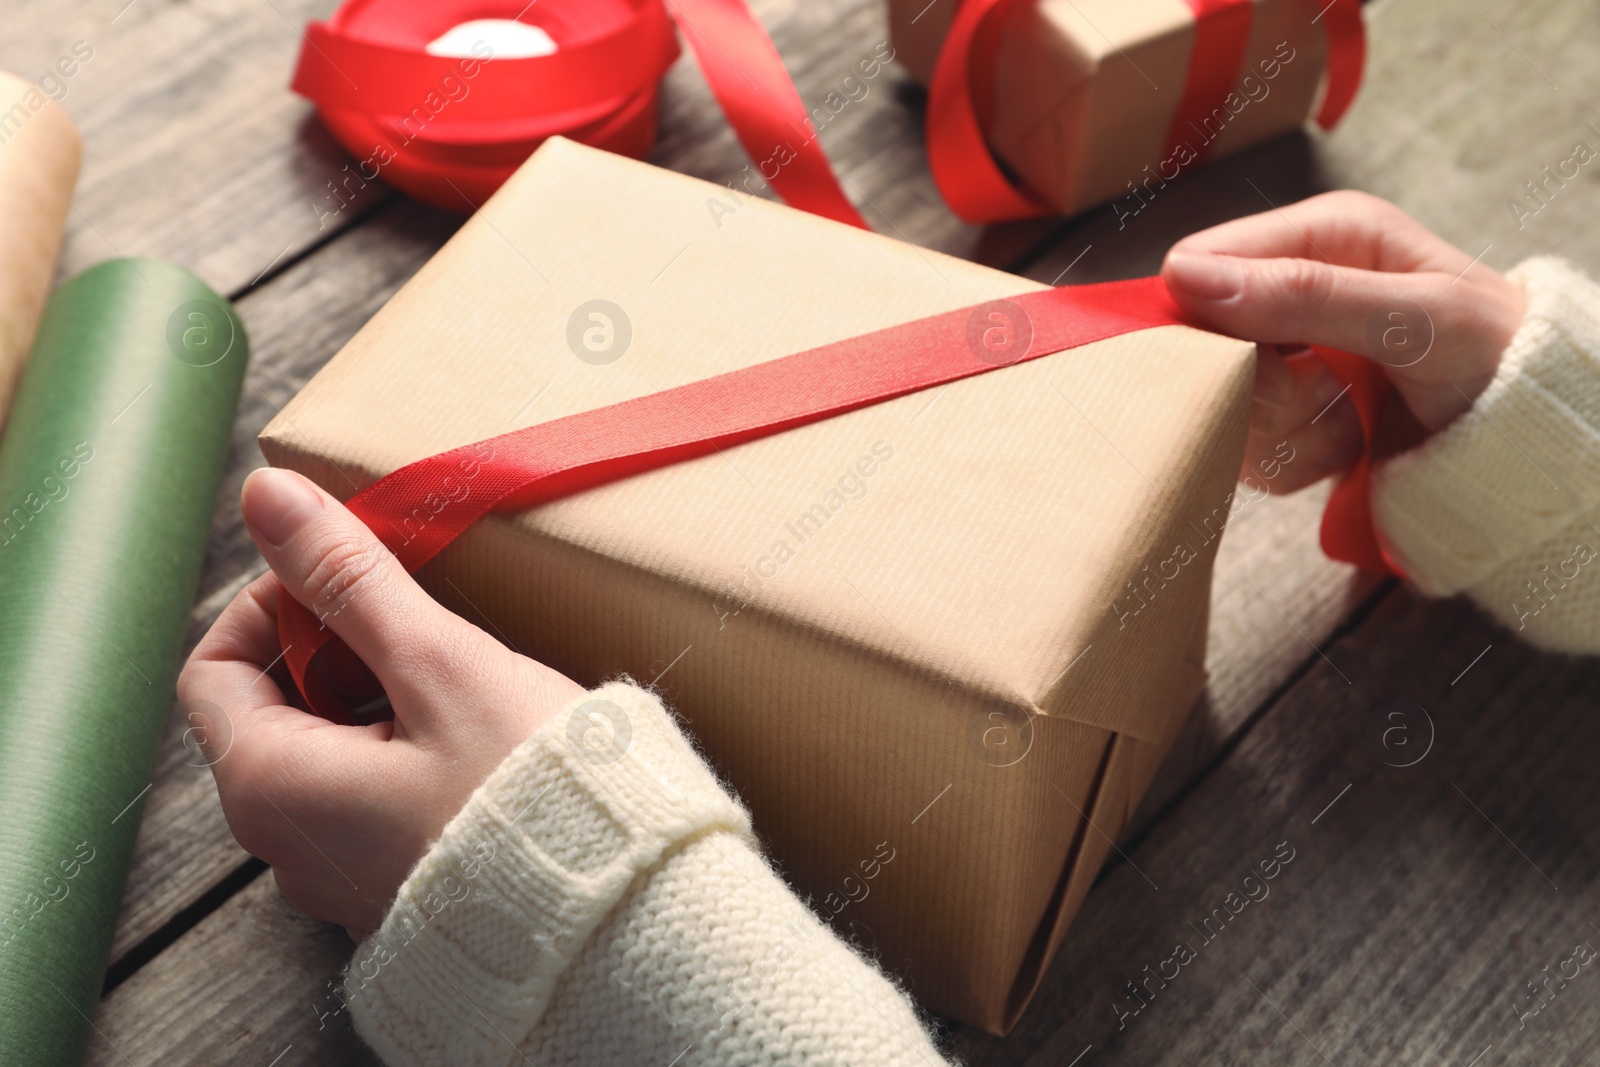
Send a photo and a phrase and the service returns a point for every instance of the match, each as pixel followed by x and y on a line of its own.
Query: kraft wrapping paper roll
pixel 39 151
pixel 108 476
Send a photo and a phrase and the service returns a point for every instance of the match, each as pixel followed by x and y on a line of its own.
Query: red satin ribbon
pixel 1349 530
pixel 966 172
pixel 451 137
pixel 1347 58
pixel 971 179
pixel 1221 35
pixel 419 509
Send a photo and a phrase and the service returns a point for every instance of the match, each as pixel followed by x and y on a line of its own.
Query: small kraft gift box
pixel 1090 101
pixel 938 645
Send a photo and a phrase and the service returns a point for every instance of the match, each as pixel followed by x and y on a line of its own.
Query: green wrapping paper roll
pixel 109 469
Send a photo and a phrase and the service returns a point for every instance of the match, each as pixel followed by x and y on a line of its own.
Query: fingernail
pixel 1207 277
pixel 279 503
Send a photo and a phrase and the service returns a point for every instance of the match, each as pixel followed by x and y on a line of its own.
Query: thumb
pixel 329 561
pixel 1284 301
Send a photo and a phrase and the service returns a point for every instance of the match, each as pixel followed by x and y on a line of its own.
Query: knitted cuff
pixel 484 926
pixel 1520 467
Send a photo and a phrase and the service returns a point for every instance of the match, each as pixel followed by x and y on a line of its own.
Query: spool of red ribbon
pixel 1349 528
pixel 448 122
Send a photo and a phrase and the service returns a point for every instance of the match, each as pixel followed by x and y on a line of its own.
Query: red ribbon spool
pixel 451 130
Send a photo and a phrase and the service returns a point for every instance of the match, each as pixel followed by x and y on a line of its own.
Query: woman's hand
pixel 343 812
pixel 1349 271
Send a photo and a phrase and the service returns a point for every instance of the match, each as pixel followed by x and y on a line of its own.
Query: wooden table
pixel 1421 898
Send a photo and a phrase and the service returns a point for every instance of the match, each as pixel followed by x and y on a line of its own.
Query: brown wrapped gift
pixel 1084 91
pixel 926 641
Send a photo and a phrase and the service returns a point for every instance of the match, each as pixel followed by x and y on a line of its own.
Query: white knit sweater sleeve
pixel 1504 503
pixel 601 900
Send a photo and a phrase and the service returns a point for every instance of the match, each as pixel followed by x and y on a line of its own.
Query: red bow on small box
pixel 972 182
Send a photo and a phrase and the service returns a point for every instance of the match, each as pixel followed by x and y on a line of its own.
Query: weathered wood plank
pixel 274 966
pixel 1420 899
pixel 194 149
pixel 1481 99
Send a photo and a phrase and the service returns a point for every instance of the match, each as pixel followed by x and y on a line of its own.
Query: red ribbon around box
pixel 532 466
pixel 453 130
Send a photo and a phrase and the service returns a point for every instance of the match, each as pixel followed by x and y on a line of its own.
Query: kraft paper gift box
pixel 1084 91
pixel 926 641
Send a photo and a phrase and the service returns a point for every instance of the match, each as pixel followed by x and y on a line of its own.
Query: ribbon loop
pixel 966 172
pixel 1349 529
pixel 1347 58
